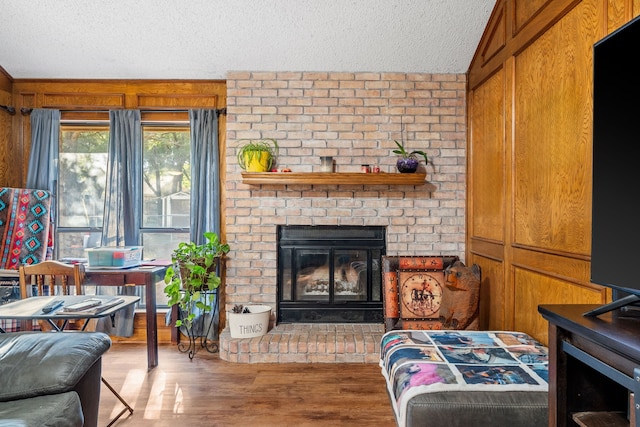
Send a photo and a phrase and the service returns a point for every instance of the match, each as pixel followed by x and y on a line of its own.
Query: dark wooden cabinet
pixel 594 367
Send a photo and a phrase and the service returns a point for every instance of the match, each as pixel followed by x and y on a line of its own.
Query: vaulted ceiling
pixel 204 39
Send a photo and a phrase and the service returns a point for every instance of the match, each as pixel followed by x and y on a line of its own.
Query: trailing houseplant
pixel 258 155
pixel 194 270
pixel 408 161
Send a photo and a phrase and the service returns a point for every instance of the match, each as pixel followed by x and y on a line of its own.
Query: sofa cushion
pixel 462 409
pixel 52 410
pixel 37 363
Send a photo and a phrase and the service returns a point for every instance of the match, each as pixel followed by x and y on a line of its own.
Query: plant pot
pixel 186 273
pixel 257 161
pixel 252 324
pixel 407 165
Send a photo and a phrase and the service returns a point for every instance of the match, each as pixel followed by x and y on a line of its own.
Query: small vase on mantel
pixel 407 164
pixel 408 161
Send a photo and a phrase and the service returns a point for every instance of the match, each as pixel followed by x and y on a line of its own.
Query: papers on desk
pixel 70 260
pixel 91 306
pixel 155 262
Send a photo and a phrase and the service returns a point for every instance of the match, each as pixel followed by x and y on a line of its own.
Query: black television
pixel 615 241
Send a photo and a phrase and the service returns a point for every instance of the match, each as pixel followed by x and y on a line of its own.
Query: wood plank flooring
pixel 208 391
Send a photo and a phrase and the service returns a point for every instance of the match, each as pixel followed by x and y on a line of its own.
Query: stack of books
pixel 91 306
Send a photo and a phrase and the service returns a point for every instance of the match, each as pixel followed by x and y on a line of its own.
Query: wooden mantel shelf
pixel 332 178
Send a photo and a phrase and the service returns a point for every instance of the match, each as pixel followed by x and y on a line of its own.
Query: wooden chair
pixel 51 278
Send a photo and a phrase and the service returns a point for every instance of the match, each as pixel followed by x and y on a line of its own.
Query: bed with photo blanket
pixel 464 378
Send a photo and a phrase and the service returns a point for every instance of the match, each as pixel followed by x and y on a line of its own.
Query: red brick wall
pixel 355 118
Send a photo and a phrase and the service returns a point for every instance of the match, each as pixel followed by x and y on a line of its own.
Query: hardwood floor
pixel 208 391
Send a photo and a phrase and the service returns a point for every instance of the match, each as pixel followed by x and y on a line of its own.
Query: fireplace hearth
pixel 330 274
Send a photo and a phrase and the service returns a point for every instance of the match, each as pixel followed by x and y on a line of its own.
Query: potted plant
pixel 249 321
pixel 408 161
pixel 194 271
pixel 258 155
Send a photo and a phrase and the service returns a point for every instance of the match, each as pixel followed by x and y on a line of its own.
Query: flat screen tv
pixel 615 243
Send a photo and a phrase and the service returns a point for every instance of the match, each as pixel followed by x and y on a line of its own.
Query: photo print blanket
pixel 416 362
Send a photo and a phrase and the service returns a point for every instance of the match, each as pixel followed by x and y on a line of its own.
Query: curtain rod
pixel 8 109
pixel 25 111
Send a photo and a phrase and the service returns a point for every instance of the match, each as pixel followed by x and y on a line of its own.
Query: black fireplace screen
pixel 330 274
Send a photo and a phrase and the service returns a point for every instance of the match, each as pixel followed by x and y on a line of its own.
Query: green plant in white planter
pixel 249 321
pixel 193 271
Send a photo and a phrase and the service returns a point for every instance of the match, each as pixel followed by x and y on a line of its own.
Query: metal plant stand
pixel 202 326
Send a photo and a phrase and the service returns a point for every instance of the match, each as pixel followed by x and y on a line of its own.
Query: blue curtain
pixel 45 141
pixel 122 193
pixel 205 197
pixel 121 226
pixel 205 174
pixel 43 160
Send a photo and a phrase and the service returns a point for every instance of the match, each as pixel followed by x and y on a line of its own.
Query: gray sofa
pixel 51 379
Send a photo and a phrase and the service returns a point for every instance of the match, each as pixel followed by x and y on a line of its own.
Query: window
pixel 151 184
pixel 165 214
pixel 81 185
pixel 166 188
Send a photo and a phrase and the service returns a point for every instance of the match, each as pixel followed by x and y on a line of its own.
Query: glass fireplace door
pixel 313 281
pixel 326 277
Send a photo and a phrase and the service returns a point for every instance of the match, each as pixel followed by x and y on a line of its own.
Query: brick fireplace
pixel 354 117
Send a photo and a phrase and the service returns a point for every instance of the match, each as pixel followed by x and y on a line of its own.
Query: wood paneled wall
pixel 529 156
pixel 96 95
pixel 6 121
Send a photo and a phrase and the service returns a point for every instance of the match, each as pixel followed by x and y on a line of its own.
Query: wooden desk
pixel 594 365
pixel 136 276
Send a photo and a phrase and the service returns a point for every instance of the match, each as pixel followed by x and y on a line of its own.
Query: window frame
pixel 150 120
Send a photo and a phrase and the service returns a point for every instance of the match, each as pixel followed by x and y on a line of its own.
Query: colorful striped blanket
pixel 25 227
pixel 417 362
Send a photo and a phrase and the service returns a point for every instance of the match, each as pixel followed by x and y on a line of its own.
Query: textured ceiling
pixel 204 39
